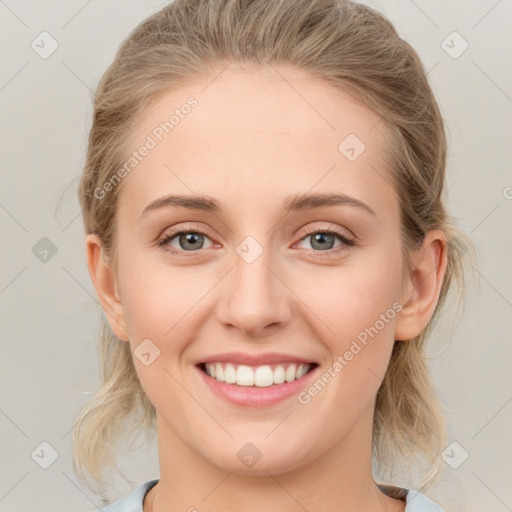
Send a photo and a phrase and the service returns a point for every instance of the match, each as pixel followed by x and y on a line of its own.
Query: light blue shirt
pixel 416 502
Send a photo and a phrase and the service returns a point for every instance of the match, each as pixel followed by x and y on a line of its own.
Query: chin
pixel 252 461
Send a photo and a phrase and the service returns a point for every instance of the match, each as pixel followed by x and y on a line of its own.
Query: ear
pixel 103 279
pixel 421 288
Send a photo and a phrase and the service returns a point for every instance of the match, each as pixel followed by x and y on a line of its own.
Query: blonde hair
pixel 345 44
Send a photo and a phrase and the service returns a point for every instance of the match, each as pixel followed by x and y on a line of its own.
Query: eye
pixel 322 240
pixel 187 240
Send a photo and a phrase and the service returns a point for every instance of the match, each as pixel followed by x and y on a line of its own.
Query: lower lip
pixel 253 395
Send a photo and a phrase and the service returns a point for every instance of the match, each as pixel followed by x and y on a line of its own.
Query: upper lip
pixel 254 359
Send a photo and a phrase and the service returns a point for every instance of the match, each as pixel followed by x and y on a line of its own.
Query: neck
pixel 338 481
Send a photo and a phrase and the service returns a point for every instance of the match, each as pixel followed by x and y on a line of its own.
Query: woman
pixel 267 238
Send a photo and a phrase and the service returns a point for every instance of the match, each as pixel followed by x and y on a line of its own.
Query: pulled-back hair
pixel 348 45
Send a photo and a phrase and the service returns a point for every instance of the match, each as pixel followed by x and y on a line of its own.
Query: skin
pixel 252 141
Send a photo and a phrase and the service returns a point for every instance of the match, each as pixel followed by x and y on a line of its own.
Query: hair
pixel 348 45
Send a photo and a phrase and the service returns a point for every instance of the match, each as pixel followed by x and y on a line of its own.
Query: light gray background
pixel 49 314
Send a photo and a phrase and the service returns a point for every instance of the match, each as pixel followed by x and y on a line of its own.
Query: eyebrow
pixel 300 202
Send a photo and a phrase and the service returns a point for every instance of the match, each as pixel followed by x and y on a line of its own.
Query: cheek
pixel 353 298
pixel 157 297
pixel 359 305
pixel 159 303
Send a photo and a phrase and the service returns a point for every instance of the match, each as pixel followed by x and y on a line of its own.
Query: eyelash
pixel 347 242
pixel 162 243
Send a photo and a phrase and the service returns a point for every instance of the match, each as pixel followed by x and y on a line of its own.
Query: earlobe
pixel 103 279
pixel 422 286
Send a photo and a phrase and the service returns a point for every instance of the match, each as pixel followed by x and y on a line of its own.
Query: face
pixel 251 275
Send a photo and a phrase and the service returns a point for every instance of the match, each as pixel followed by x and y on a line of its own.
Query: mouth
pixel 256 376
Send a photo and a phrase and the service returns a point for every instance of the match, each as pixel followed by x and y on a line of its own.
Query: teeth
pixel 230 374
pixel 279 374
pixel 260 376
pixel 245 376
pixel 290 373
pixel 219 372
pixel 301 371
pixel 263 376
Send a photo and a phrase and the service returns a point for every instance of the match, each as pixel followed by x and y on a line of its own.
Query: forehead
pixel 259 132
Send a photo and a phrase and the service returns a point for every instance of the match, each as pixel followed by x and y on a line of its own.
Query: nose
pixel 254 298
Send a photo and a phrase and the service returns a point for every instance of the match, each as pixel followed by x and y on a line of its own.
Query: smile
pixel 258 376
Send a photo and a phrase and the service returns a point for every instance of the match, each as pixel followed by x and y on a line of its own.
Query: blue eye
pixel 189 241
pixel 322 239
pixel 192 241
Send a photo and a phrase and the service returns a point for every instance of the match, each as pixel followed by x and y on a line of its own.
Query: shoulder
pixel 417 502
pixel 134 501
